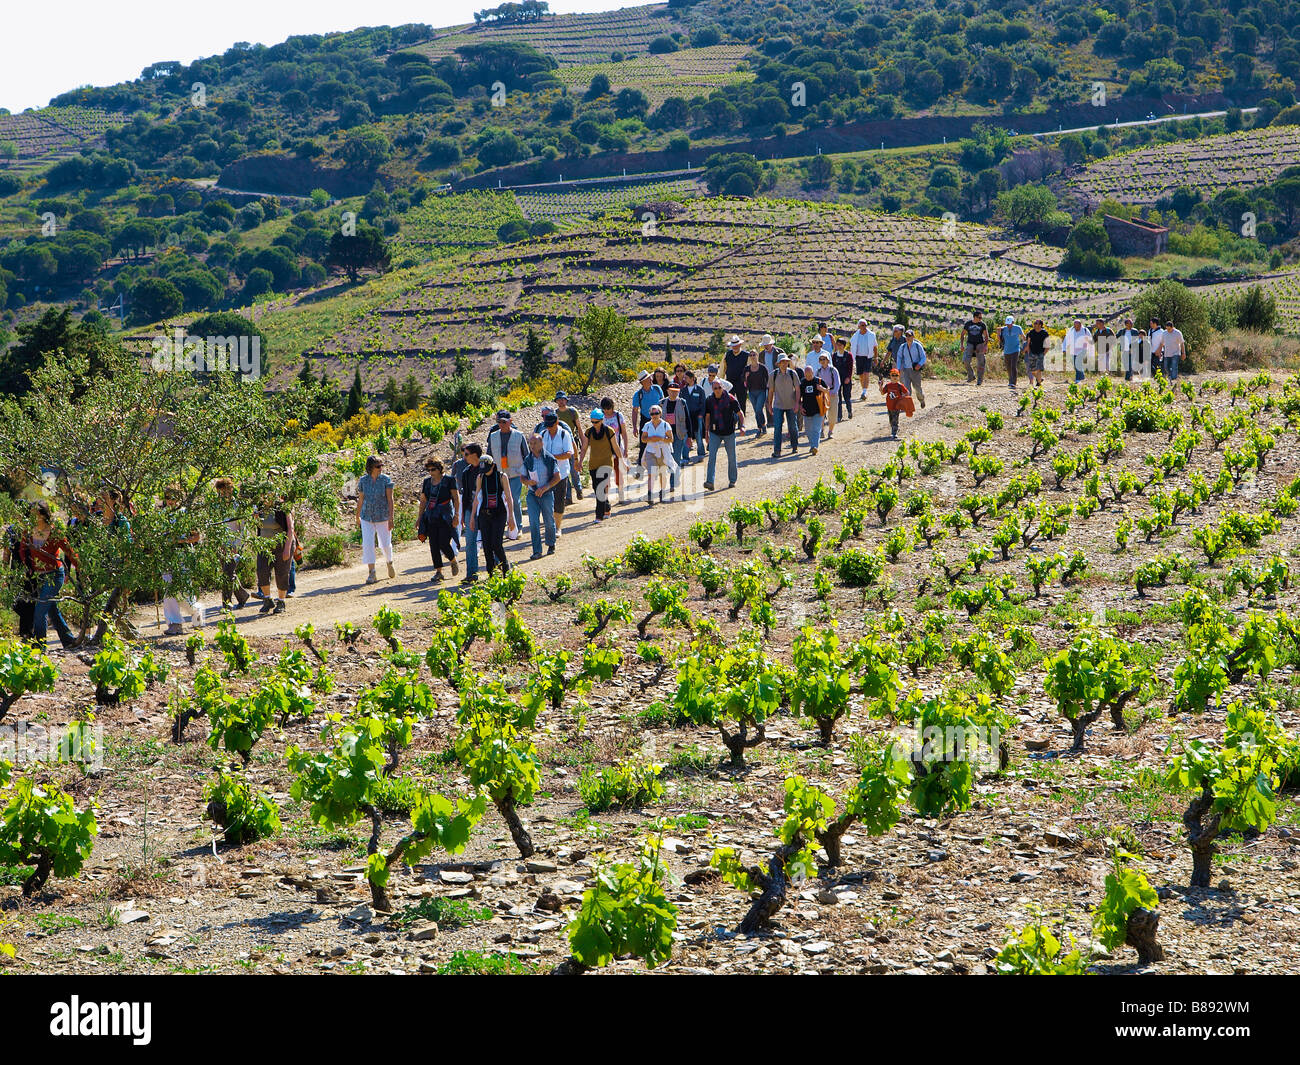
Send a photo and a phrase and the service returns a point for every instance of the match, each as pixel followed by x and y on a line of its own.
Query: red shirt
pixel 894 392
pixel 45 559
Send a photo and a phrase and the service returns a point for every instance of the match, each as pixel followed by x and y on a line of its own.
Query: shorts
pixel 560 495
pixel 1034 361
pixel 862 363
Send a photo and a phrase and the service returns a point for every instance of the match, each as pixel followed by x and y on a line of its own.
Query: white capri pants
pixel 370 530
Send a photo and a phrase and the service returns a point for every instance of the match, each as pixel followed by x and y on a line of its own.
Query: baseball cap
pixel 909 332
pixel 561 395
pixel 894 372
pixel 1010 320
pixel 713 367
pixel 503 415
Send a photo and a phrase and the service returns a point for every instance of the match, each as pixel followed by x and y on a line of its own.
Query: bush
pixel 325 552
pixel 1171 300
pixel 857 568
pixel 644 556
pixel 627 784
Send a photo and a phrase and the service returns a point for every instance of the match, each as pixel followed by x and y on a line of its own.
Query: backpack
pixel 492 492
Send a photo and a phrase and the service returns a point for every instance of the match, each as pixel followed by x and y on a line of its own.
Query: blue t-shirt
pixel 1011 337
pixel 374 497
pixel 644 400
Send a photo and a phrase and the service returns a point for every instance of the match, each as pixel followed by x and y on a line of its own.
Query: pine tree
pixel 535 360
pixel 392 396
pixel 305 376
pixel 356 398
pixel 900 314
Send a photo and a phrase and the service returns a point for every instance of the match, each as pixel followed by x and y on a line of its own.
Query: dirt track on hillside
pixel 340 594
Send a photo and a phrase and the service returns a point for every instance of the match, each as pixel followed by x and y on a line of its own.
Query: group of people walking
pixel 1098 348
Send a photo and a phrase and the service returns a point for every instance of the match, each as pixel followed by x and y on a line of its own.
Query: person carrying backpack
pixel 975 346
pixel 491 514
pixel 603 455
pixel 910 362
pixel 439 503
pixel 508 447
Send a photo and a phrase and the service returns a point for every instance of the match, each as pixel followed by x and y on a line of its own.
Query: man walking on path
pixel 1103 343
pixel 910 362
pixel 1173 347
pixel 1156 336
pixel 541 477
pixel 828 376
pixel 815 354
pixel 782 402
pixel 756 382
pixel 975 345
pixel 735 364
pixel 558 442
pixel 862 346
pixel 508 449
pixel 896 340
pixel 569 417
pixel 695 397
pixel 1076 346
pixel 1127 340
pixel 1036 357
pixel 813 397
pixel 723 419
pixel 770 354
pixel 1011 335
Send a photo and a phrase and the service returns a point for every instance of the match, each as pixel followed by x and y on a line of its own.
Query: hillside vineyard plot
pixel 584 203
pixel 774 266
pixel 51 132
pixel 1093 584
pixel 571 38
pixel 687 73
pixel 1210 164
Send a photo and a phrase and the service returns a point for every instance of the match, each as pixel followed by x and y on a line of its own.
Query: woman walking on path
pixel 491 514
pixel 830 377
pixel 813 397
pixel 230 548
pixel 657 435
pixel 43 551
pixel 439 505
pixel 603 457
pixel 616 424
pixel 375 514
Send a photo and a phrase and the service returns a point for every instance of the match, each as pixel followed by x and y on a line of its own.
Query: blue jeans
pixel 541 511
pixel 575 476
pixel 516 500
pixel 681 449
pixel 469 543
pixel 46 611
pixel 812 427
pixel 1171 367
pixel 293 575
pixel 758 400
pixel 782 419
pixel 715 443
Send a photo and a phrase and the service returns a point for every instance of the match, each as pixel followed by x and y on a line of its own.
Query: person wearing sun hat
pixel 1011 336
pixel 603 455
pixel 677 413
pixel 1077 348
pixel 769 353
pixel 783 404
pixel 733 367
pixel 565 412
pixel 910 363
pixel 646 396
pixel 723 420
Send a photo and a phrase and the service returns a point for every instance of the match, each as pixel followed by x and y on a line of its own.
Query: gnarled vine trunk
pixel 774 884
pixel 378 895
pixel 1140 934
pixel 506 807
pixel 1201 834
pixel 1117 710
pixel 738 741
pixel 1079 724
pixel 831 836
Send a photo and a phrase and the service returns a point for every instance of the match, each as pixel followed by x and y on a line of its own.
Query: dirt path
pixel 326 596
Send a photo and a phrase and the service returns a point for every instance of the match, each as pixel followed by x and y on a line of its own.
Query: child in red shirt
pixel 897 398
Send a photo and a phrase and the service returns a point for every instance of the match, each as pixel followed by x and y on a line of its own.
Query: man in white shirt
pixel 1156 336
pixel 862 346
pixel 813 358
pixel 1076 346
pixel 1128 338
pixel 557 442
pixel 770 354
pixel 1173 347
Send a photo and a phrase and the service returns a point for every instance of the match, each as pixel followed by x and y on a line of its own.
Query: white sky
pixel 47 51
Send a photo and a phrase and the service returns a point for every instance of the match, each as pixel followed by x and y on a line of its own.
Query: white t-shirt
pixel 862 345
pixel 558 444
pixel 1157 338
pixel 1173 342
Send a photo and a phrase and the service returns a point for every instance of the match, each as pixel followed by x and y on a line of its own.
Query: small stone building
pixel 1136 237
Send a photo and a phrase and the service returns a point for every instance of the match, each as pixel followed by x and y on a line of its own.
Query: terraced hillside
pixel 1210 164
pixel 589 38
pixel 767 265
pixel 687 73
pixel 51 133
